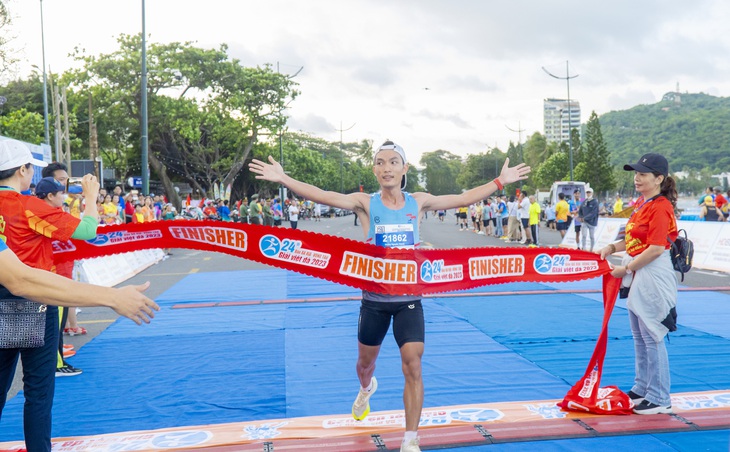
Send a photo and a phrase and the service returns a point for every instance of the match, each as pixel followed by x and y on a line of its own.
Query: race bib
pixel 395 236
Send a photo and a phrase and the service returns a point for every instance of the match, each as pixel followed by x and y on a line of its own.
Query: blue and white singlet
pixel 392 229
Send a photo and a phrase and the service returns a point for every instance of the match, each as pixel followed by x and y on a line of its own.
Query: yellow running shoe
pixel 361 406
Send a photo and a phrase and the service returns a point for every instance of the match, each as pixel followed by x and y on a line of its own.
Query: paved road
pixel 434 233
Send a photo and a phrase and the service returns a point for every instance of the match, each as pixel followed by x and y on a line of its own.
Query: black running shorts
pixel 408 323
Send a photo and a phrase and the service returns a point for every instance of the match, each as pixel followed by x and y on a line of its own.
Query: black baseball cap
pixel 650 163
pixel 48 185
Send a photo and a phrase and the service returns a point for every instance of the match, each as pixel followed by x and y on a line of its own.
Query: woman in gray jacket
pixel 647 271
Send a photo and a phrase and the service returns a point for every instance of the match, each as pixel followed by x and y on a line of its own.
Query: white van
pixel 567 188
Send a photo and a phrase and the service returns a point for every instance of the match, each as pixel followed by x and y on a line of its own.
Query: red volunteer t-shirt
pixel 720 201
pixel 652 223
pixel 29 226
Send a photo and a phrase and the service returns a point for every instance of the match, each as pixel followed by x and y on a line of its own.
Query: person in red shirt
pixel 52 192
pixel 720 200
pixel 57 171
pixel 29 227
pixel 210 211
pixel 648 272
pixel 129 207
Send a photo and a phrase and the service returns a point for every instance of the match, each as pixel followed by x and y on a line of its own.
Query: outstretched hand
pixel 130 302
pixel 272 171
pixel 514 174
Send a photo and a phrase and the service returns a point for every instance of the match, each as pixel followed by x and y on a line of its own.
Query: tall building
pixel 555 113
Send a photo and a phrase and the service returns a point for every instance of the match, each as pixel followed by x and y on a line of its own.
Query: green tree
pixel 480 168
pixel 441 169
pixel 318 162
pixel 207 113
pixel 472 170
pixel 312 160
pixel 691 130
pixel 578 151
pixel 536 150
pixel 515 153
pixel 27 94
pixel 23 125
pixel 595 166
pixel 555 168
pixel 8 56
pixel 624 181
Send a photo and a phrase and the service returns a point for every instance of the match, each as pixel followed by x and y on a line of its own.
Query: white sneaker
pixel 410 446
pixel 361 406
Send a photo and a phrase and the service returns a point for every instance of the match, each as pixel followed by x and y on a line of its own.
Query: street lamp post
pixel 342 153
pixel 45 87
pixel 143 111
pixel 570 140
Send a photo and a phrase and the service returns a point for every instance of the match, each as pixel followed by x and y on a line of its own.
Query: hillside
pixel 693 131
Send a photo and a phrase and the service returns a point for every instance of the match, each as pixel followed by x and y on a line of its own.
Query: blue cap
pixel 48 185
pixel 75 189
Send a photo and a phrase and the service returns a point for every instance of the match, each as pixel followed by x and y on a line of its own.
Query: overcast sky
pixel 427 74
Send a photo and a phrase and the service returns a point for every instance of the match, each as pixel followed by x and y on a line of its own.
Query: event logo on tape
pixel 357 264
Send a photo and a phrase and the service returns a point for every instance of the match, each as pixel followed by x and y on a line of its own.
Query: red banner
pixel 587 394
pixel 344 261
pixel 378 269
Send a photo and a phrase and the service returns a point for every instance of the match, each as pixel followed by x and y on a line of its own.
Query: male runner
pixel 397 214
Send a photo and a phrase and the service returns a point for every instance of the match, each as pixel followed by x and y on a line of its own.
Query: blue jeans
pixel 652 365
pixel 500 232
pixel 39 383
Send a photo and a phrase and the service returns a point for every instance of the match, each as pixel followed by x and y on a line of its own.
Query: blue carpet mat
pixel 227 286
pixel 228 364
pixel 660 442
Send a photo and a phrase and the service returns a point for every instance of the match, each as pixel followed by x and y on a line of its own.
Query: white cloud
pixel 368 62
